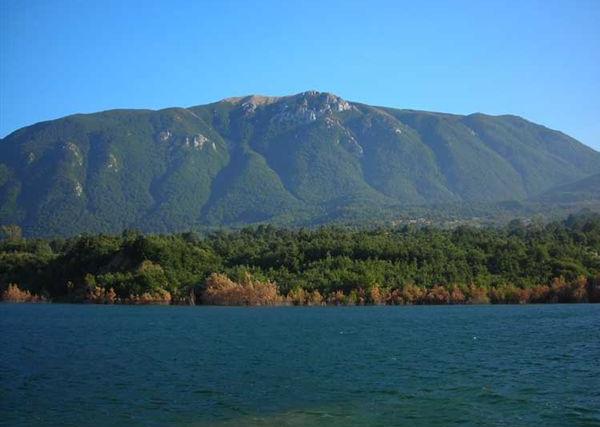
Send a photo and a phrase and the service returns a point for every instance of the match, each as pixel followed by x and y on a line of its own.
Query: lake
pixel 84 365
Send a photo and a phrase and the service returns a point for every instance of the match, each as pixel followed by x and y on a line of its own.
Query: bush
pixel 221 290
pixel 14 294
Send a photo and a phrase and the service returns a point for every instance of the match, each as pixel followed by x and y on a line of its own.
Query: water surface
pixel 84 365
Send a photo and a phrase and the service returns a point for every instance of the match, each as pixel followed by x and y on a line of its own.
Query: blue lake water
pixel 84 365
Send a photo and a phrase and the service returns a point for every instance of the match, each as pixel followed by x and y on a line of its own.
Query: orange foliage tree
pixel 14 294
pixel 221 290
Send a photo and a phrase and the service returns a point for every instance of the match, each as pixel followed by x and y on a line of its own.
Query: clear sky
pixel 537 59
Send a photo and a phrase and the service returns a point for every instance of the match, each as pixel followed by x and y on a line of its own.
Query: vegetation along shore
pixel 265 265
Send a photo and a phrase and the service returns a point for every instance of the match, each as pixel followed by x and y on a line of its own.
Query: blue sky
pixel 537 59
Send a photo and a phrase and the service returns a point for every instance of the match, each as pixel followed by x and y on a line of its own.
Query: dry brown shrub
pixel 159 297
pixel 575 291
pixel 14 294
pixel 395 297
pixel 539 294
pixel 578 290
pixel 378 296
pixel 412 294
pixel 99 295
pixel 221 290
pixel 297 296
pixel 457 296
pixel 509 294
pixel 477 295
pixel 110 296
pixel 437 295
pixel 336 298
pixel 315 298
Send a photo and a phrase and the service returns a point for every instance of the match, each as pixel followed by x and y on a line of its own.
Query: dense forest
pixel 265 265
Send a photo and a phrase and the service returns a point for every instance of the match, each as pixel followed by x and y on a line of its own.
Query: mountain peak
pixel 309 106
pixel 302 107
pixel 316 96
pixel 309 96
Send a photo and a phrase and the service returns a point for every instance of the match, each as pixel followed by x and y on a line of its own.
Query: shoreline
pixel 518 264
pixel 3 302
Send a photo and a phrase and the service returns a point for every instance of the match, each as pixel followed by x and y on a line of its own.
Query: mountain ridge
pixel 301 159
pixel 255 97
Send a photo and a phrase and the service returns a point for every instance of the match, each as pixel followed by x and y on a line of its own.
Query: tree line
pixel 333 265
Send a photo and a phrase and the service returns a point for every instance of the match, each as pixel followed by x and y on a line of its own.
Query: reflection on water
pixel 211 366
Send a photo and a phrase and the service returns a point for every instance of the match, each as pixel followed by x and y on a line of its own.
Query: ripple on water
pixel 83 365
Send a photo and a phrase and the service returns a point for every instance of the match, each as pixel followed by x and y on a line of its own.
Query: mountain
pixel 305 159
pixel 584 190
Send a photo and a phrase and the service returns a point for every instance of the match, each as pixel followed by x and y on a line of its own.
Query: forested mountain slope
pixel 584 190
pixel 305 159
